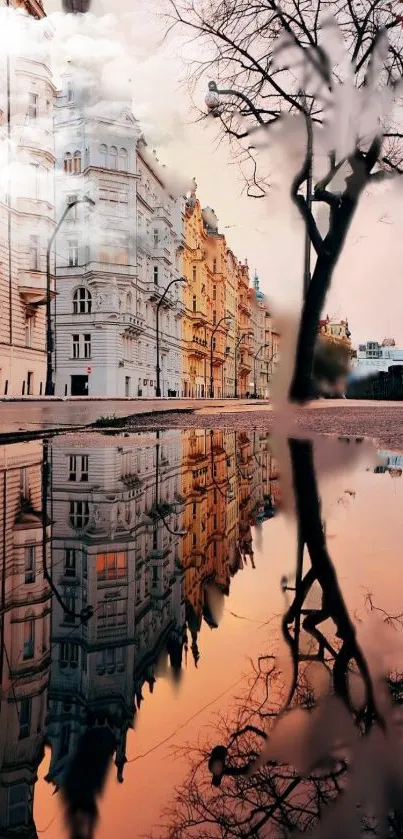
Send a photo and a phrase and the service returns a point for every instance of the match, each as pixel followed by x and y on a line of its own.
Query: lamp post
pixel 49 341
pixel 254 367
pixel 159 304
pixel 225 318
pixel 239 341
pixel 182 532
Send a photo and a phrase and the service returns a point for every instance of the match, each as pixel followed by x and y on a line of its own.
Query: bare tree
pixel 241 48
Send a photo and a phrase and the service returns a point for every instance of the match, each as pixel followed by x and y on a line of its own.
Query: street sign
pixel 89 369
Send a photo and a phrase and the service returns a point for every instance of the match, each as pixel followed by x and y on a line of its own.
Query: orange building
pixel 217 313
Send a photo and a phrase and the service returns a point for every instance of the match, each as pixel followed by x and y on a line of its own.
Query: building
pixel 375 357
pixel 216 325
pixel 116 258
pixel 334 329
pixel 264 343
pixel 26 202
pixel 25 633
pixel 116 535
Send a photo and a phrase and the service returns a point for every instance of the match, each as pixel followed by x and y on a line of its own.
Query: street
pixel 381 421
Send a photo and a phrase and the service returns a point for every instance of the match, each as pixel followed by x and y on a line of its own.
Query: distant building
pixel 374 357
pixel 335 329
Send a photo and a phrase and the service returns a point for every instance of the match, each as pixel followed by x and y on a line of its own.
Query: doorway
pixel 79 386
pixel 30 376
pixel 127 386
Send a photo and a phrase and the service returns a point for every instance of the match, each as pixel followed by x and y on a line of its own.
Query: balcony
pixel 244 306
pixel 199 318
pixel 198 347
pixel 163 213
pixel 32 287
pixel 35 136
pixel 219 358
pixel 132 323
pixel 160 252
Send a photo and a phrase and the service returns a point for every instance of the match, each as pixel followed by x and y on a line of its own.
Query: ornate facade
pixel 26 202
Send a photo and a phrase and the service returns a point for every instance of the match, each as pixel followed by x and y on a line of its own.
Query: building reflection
pixel 25 633
pixel 115 552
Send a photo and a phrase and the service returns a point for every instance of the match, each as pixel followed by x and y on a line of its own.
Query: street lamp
pixel 225 318
pixel 263 347
pixel 49 341
pixel 239 341
pixel 182 531
pixel 159 304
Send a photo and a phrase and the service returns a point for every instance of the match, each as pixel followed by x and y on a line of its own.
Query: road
pixel 381 421
pixel 42 414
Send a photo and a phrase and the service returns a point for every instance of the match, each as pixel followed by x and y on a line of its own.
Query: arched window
pixel 129 303
pixel 82 301
pixel 113 158
pixel 103 153
pixel 68 162
pixel 77 162
pixel 122 160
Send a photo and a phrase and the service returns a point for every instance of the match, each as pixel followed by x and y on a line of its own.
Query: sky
pixel 366 287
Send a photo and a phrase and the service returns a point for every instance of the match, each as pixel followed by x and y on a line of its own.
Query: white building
pixel 27 160
pixel 114 260
pixel 25 634
pixel 114 552
pixel 374 357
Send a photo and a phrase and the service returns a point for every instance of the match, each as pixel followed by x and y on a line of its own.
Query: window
pixel 70 562
pixel 25 718
pixel 77 162
pixel 111 566
pixel 76 346
pixel 19 804
pixel 116 248
pixel 194 303
pixel 79 514
pixel 123 160
pixel 69 92
pixel 29 320
pixel 34 253
pixel 87 345
pixel 103 155
pixel 82 301
pixel 214 266
pixel 115 202
pixel 78 467
pixel 156 238
pixel 68 654
pixel 156 274
pixel 214 318
pixel 194 273
pixel 73 253
pixel 32 105
pixel 112 614
pixel 29 638
pixel 72 216
pixel 68 162
pixel 30 563
pixel 112 158
pixel 214 292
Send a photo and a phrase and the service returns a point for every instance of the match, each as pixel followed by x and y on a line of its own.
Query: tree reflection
pixel 321 754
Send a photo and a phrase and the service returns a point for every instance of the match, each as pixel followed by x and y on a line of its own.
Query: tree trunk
pixel 302 385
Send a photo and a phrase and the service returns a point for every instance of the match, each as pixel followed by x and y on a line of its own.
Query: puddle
pixel 157 603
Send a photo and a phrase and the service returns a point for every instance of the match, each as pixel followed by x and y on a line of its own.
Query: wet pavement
pixel 42 414
pixel 159 601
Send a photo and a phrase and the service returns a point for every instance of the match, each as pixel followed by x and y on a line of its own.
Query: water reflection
pixel 115 551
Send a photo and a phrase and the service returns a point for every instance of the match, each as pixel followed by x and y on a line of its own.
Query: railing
pixel 132 321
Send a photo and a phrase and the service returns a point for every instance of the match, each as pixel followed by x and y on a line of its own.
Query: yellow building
pixel 215 362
